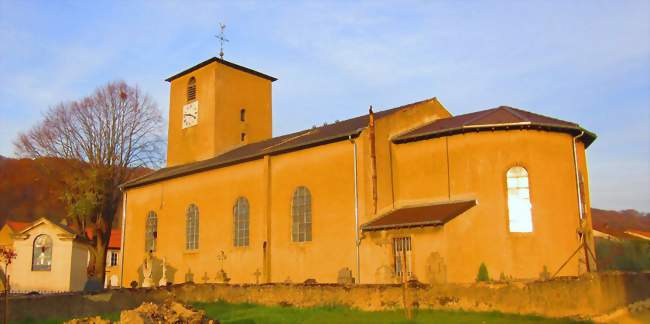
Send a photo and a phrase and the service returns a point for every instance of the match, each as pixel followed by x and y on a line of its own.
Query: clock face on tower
pixel 190 114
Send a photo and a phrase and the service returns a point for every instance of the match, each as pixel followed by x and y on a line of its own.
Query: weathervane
pixel 221 37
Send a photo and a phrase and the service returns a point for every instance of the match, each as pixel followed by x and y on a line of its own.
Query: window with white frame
pixel 301 215
pixel 402 246
pixel 240 222
pixel 519 208
pixel 192 228
pixel 113 261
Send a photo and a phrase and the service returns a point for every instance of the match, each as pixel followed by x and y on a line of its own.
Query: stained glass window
pixel 301 214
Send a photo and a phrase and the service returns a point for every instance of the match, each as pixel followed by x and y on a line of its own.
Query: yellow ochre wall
pixel 221 92
pixel 478 163
pixel 409 173
pixel 268 184
pixel 215 193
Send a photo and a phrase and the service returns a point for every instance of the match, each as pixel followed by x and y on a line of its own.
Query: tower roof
pixel 500 118
pixel 224 62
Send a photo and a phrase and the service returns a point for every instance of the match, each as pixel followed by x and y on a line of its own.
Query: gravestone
pixel 189 276
pixel 205 278
pixel 345 277
pixel 222 277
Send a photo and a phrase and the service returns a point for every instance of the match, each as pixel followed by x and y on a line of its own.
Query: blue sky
pixel 582 61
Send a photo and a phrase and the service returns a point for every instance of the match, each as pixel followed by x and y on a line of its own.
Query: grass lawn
pixel 250 313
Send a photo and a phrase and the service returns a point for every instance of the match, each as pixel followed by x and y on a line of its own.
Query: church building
pixel 408 190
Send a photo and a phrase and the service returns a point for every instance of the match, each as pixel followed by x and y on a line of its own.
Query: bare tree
pixel 106 137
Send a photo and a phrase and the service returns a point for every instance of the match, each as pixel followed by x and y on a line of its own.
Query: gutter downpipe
pixel 122 249
pixel 356 212
pixel 580 211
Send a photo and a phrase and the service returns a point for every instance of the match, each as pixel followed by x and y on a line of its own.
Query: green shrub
pixel 482 275
pixel 626 255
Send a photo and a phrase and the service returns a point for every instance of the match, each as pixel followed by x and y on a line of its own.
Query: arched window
pixel 240 222
pixel 192 228
pixel 301 214
pixel 42 255
pixel 191 89
pixel 520 218
pixel 243 137
pixel 242 115
pixel 151 232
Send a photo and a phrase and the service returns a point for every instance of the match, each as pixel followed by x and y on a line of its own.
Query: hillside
pixel 33 188
pixel 30 189
pixel 617 222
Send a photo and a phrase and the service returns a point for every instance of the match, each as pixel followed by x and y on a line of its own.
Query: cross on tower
pixel 221 37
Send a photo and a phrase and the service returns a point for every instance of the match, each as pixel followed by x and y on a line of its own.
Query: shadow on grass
pixel 251 313
pixel 115 316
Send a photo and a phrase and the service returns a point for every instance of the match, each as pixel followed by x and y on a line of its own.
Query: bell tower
pixel 216 106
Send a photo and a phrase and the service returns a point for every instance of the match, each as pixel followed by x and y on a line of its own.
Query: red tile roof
pixel 434 214
pixel 17 226
pixel 114 241
pixel 500 118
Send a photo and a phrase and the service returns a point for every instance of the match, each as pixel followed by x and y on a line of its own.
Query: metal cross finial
pixel 221 37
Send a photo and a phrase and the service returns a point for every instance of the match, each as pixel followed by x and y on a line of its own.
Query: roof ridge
pixel 515 118
pixel 224 62
pixel 514 112
pixel 540 115
pixel 289 139
pixel 480 114
pixel 299 140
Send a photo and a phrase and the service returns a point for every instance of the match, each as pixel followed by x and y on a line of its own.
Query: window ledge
pixel 300 243
pixel 521 234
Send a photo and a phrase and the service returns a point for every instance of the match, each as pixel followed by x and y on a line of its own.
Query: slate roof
pixel 224 62
pixel 277 145
pixel 434 214
pixel 500 118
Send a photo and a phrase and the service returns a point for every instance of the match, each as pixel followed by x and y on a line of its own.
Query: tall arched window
pixel 192 228
pixel 242 115
pixel 520 218
pixel 42 254
pixel 191 89
pixel 151 232
pixel 301 214
pixel 240 222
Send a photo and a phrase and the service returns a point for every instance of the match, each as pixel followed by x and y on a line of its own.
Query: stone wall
pixel 584 297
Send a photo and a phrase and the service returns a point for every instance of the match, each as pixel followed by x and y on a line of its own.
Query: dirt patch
pixel 151 313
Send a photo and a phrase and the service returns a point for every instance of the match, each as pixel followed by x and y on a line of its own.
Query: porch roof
pixel 433 214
